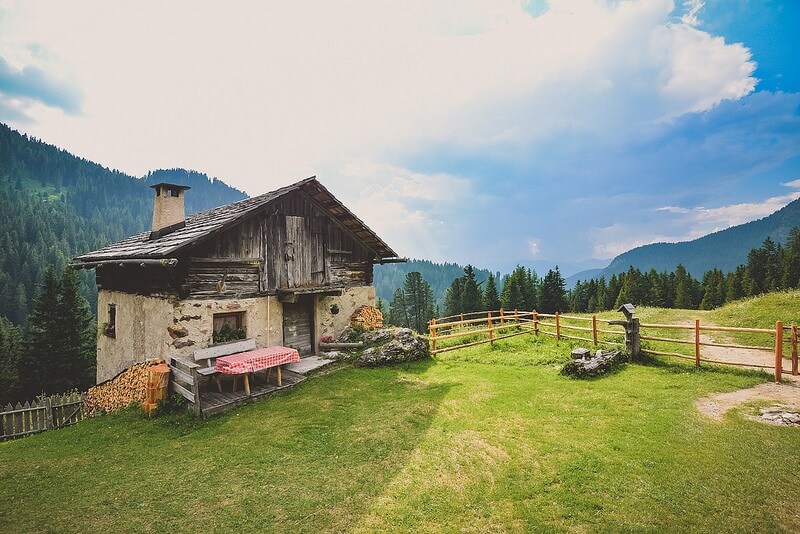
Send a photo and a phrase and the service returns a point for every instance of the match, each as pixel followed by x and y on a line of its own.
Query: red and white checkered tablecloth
pixel 255 360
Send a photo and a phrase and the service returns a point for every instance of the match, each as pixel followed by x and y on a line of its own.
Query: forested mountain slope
pixel 724 250
pixel 54 205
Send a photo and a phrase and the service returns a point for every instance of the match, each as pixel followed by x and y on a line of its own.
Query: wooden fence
pixel 777 348
pixel 43 414
pixel 486 327
pixel 501 324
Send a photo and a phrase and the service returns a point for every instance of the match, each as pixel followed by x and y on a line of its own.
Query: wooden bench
pixel 186 375
pixel 207 358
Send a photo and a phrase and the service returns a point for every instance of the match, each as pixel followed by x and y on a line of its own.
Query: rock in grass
pixel 597 364
pixel 392 345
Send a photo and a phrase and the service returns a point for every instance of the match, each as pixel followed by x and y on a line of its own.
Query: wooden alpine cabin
pixel 284 268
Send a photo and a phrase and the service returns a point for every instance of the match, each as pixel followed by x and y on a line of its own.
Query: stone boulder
pixel 386 346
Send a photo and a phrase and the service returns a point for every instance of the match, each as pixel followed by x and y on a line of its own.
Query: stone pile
pixel 383 346
pixel 584 364
pixel 780 415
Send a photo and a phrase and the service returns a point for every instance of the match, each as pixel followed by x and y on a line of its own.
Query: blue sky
pixel 482 131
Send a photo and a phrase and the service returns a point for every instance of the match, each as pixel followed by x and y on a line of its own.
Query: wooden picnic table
pixel 253 361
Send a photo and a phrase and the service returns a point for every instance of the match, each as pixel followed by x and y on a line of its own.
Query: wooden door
pixel 305 260
pixel 298 326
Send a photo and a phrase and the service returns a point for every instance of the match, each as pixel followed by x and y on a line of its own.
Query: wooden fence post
pixel 535 323
pixel 432 328
pixel 462 319
pixel 502 317
pixel 516 316
pixel 594 330
pixel 48 412
pixel 196 391
pixel 778 350
pixel 558 327
pixel 794 349
pixel 697 343
pixel 491 339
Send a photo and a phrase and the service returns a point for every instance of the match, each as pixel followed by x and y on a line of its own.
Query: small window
pixel 111 325
pixel 228 327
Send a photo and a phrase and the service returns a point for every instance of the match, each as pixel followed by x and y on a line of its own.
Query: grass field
pixel 479 440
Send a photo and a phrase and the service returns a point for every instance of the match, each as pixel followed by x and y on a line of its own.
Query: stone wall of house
pixel 330 324
pixel 193 322
pixel 151 327
pixel 139 332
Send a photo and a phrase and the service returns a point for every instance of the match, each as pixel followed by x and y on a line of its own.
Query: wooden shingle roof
pixel 204 224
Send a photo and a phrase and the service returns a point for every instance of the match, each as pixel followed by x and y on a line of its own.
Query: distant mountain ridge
pixel 724 250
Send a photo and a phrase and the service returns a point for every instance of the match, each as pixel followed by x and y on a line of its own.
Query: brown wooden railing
pixel 777 348
pixel 495 325
pixel 491 326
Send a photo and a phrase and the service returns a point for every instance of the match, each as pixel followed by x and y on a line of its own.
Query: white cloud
pixel 394 202
pixel 674 209
pixel 726 216
pixel 261 93
pixel 795 184
pixel 693 8
pixel 533 248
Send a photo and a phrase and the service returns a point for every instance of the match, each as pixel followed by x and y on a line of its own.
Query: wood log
pixel 128 387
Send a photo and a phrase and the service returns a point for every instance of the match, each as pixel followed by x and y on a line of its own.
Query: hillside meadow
pixel 484 439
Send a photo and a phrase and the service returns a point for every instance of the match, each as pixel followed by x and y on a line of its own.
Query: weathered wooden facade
pixel 286 266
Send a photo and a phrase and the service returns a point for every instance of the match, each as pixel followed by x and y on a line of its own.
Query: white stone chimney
pixel 168 209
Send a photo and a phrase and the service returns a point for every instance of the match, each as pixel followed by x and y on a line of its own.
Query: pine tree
pixel 40 366
pixel 77 333
pixel 513 295
pixel 683 289
pixel 10 353
pixel 470 293
pixel 552 297
pixel 453 298
pixel 398 310
pixel 419 301
pixel 491 300
pixel 791 260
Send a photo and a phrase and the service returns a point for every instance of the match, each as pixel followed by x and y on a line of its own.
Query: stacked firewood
pixel 367 317
pixel 128 387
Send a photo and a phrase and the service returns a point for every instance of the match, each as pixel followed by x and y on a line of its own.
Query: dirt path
pixel 717 405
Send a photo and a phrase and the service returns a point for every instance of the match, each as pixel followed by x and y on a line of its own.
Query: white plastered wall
pixel 152 327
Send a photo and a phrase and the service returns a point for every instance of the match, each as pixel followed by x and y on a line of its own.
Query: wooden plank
pixel 183 364
pixel 232 260
pixel 297 326
pixel 225 349
pixel 179 375
pixel 180 390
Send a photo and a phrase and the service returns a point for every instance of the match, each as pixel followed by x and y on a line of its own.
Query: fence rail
pixel 46 413
pixel 491 326
pixel 780 342
pixel 494 325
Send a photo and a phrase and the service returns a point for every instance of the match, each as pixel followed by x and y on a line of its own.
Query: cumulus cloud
pixel 396 203
pixel 31 83
pixel 456 129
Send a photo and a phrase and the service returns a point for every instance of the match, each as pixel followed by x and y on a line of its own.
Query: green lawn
pixel 479 440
